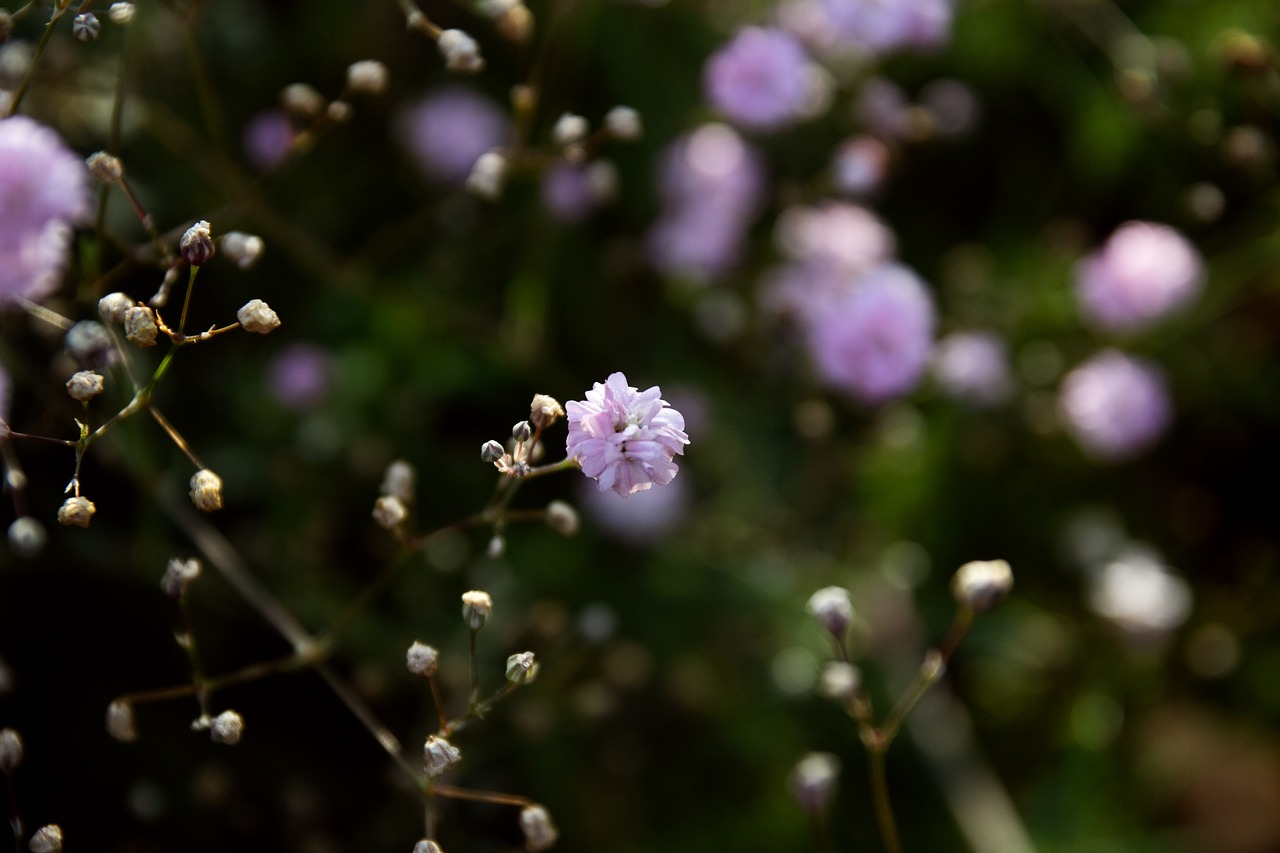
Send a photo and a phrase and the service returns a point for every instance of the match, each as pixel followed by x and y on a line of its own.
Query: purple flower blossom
pixel 761 80
pixel 849 238
pixel 1114 406
pixel 448 130
pixel 883 26
pixel 570 191
pixel 44 191
pixel 973 366
pixel 644 517
pixel 267 138
pixel 874 340
pixel 300 376
pixel 860 165
pixel 625 439
pixel 1144 272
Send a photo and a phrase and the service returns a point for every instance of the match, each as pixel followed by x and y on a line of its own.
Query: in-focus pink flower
pixel 1144 272
pixel 623 438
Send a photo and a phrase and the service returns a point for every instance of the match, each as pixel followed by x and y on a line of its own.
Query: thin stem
pixel 435 697
pixel 475 672
pixel 58 11
pixel 880 798
pixel 480 796
pixel 930 671
pixel 176 437
pixel 186 301
pixel 188 643
pixel 356 705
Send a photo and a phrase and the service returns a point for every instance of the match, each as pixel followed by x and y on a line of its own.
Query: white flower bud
pixel 520 667
pixel 113 306
pixel 242 249
pixel 196 245
pixel 84 385
pixel 302 102
pixel 367 77
pixel 86 26
pixel 539 832
pixel 491 451
pixel 226 728
pixel 76 511
pixel 563 518
pixel 140 326
pixel 422 659
pixel 569 129
pixel 10 750
pixel 27 536
pixel 257 316
pixel 47 839
pixel 544 411
pixel 90 344
pixel 438 755
pixel 522 432
pixel 339 112
pixel 982 584
pixel 426 845
pixel 107 168
pixel 497 546
pixel 487 175
pixel 839 681
pixel 389 512
pixel 477 608
pixel 120 721
pixel 400 480
pixel 460 51
pixel 121 13
pixel 178 575
pixel 206 490
pixel 623 123
pixel 832 608
pixel 813 781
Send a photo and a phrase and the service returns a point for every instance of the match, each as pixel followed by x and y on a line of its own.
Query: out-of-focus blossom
pixel 573 191
pixel 267 138
pixel 974 367
pixel 1138 593
pixel 623 438
pixel 762 79
pixel 300 375
pixel 644 517
pixel 883 26
pixel 44 191
pixel 1143 272
pixel 448 130
pixel 883 108
pixel 1114 406
pixel 860 165
pixel 848 238
pixel 952 106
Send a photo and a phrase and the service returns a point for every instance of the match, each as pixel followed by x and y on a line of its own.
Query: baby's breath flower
pixel 982 584
pixel 389 512
pixel 426 845
pixel 487 175
pixel 26 536
pixel 206 490
pixel 113 307
pixel 813 782
pixel 544 411
pixel 520 668
pixel 539 832
pixel 623 123
pixel 302 102
pixel 569 129
pixel 256 316
pixel 121 13
pixel 197 245
pixel 178 575
pixel 47 839
pixel 491 451
pixel 439 755
pixel 839 681
pixel 460 51
pixel 86 26
pixel 422 659
pixel 832 608
pixel 84 385
pixel 399 480
pixel 226 728
pixel 477 608
pixel 120 724
pixel 522 432
pixel 367 77
pixel 76 511
pixel 140 326
pixel 89 343
pixel 243 249
pixel 105 167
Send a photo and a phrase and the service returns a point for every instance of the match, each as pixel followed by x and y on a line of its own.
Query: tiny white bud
pixel 522 432
pixel 196 244
pixel 302 102
pixel 422 659
pixel 243 249
pixel 113 306
pixel 206 490
pixel 400 480
pixel 569 129
pixel 367 77
pixel 563 518
pixel 545 411
pixel 76 511
pixel 813 781
pixel 178 575
pixel 623 123
pixel 497 546
pixel 982 584
pixel 520 667
pixel 832 608
pixel 389 512
pixel 107 168
pixel 121 13
pixel 426 845
pixel 487 175
pixel 839 681
pixel 86 26
pixel 491 451
pixel 539 832
pixel 226 728
pixel 477 608
pixel 460 51
pixel 338 112
pixel 10 750
pixel 47 839
pixel 120 723
pixel 257 316
pixel 27 536
pixel 84 385
pixel 438 755
pixel 140 326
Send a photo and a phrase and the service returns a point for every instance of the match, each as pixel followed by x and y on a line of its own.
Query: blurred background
pixel 1029 379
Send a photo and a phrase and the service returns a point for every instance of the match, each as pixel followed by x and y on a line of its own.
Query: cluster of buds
pixel 391 509
pixel 543 412
pixel 227 727
pixel 460 52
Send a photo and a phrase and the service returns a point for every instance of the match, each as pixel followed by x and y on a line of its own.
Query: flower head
pixel 761 80
pixel 1114 406
pixel 448 130
pixel 623 438
pixel 1144 272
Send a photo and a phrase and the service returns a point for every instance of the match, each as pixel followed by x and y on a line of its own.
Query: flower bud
pixel 206 490
pixel 438 755
pixel 26 536
pixel 47 839
pixel 539 832
pixel 839 681
pixel 389 512
pixel 197 245
pixel 121 13
pixel 90 344
pixel 338 112
pixel 520 668
pixel 491 451
pixel 460 51
pixel 544 411
pixel 569 129
pixel 833 609
pixel 400 480
pixel 426 845
pixel 422 659
pixel 11 750
pixel 113 306
pixel 813 781
pixel 226 728
pixel 623 123
pixel 76 511
pixel 120 723
pixel 105 167
pixel 488 175
pixel 84 385
pixel 242 249
pixel 497 546
pixel 302 102
pixel 477 608
pixel 256 316
pixel 515 24
pixel 522 432
pixel 86 26
pixel 178 575
pixel 982 584
pixel 140 326
pixel 367 77
pixel 563 518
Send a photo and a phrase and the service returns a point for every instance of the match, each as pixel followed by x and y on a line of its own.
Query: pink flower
pixel 760 80
pixel 1115 406
pixel 625 439
pixel 1144 272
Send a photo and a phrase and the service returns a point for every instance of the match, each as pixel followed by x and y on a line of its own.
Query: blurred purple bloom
pixel 1143 272
pixel 883 108
pixel 300 375
pixel 448 130
pixel 860 165
pixel 874 340
pixel 847 237
pixel 973 366
pixel 623 438
pixel 267 138
pixel 760 80
pixel 882 26
pixel 953 106
pixel 44 191
pixel 1115 406
pixel 645 516
pixel 568 191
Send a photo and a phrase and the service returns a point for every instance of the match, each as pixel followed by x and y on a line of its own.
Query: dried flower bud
pixel 563 518
pixel 120 723
pixel 569 129
pixel 76 511
pixel 242 249
pixel 105 167
pixel 522 432
pixel 90 344
pixel 438 755
pixel 26 536
pixel 256 316
pixel 86 26
pixel 833 609
pixel 491 451
pixel 367 77
pixel 422 659
pixel 206 490
pixel 426 845
pixel 545 411
pixel 47 839
pixel 623 123
pixel 982 584
pixel 84 385
pixel 10 750
pixel 400 480
pixel 477 608
pixel 539 832
pixel 140 326
pixel 389 512
pixel 197 245
pixel 813 781
pixel 113 307
pixel 460 51
pixel 178 575
pixel 226 728
pixel 121 13
pixel 839 681
pixel 488 175
pixel 302 102
pixel 519 667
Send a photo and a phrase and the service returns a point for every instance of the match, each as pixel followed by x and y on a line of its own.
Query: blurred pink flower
pixel 1114 406
pixel 623 438
pixel 1144 272
pixel 448 130
pixel 300 375
pixel 882 26
pixel 760 80
pixel 267 138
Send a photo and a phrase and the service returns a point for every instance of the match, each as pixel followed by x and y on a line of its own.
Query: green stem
pixel 880 798
pixel 58 10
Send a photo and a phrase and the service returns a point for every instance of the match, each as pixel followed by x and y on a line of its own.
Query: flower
pixel 761 80
pixel 44 191
pixel 300 376
pixel 882 26
pixel 448 130
pixel 1144 272
pixel 1114 406
pixel 973 366
pixel 267 139
pixel 625 439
